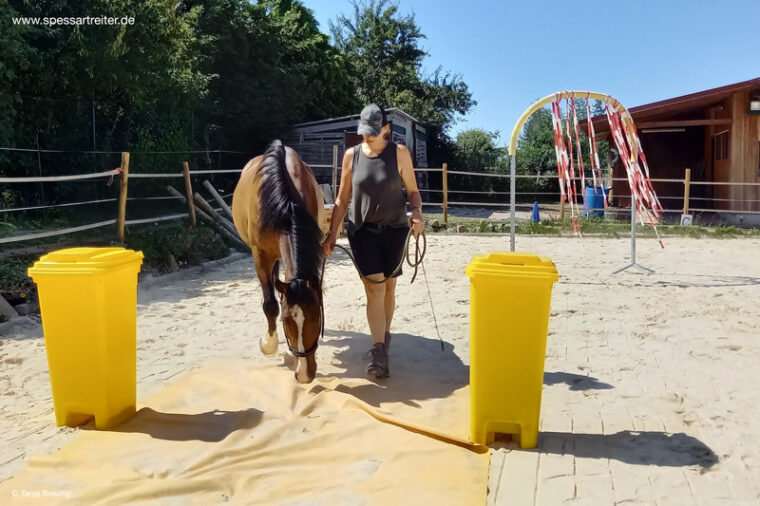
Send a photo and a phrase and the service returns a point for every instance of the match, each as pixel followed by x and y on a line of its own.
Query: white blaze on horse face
pixel 299 318
pixel 302 367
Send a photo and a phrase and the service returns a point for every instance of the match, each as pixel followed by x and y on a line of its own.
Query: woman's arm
pixel 406 169
pixel 341 202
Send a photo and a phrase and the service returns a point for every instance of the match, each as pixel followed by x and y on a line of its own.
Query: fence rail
pixel 446 190
pixel 124 174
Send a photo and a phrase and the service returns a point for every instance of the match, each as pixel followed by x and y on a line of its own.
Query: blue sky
pixel 511 53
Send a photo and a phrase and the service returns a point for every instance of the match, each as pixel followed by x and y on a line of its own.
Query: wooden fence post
pixel 446 193
pixel 686 184
pixel 122 216
pixel 335 172
pixel 189 192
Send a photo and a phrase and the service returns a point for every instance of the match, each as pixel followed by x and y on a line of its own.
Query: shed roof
pixel 682 104
pixel 353 117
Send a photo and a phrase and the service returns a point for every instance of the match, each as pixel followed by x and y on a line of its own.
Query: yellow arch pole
pixel 603 97
pixel 524 117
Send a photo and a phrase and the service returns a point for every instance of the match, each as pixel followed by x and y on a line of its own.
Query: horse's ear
pixel 280 286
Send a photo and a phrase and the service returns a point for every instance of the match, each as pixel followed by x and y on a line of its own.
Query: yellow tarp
pixel 249 434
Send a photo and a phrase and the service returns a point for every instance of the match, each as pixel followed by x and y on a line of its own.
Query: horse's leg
pixel 266 269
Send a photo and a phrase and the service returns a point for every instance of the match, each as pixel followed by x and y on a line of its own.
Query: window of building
pixel 720 145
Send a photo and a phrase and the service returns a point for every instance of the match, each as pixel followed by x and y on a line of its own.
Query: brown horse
pixel 277 208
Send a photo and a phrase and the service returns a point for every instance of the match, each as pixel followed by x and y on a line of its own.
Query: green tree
pixel 382 49
pixel 271 68
pixel 476 151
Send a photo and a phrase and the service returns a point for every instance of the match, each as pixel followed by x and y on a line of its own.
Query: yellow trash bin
pixel 510 297
pixel 88 302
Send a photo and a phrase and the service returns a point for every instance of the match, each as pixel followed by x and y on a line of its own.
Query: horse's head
pixel 302 316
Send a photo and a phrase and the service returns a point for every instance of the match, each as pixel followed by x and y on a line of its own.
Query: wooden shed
pixel 715 133
pixel 314 140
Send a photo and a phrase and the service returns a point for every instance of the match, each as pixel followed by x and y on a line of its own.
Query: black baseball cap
pixel 371 120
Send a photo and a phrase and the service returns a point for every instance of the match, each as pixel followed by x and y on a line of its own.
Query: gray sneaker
pixel 388 337
pixel 378 364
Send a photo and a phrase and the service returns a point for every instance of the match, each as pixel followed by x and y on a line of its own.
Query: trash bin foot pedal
pixel 526 437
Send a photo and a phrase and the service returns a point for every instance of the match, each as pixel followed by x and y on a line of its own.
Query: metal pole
pixel 512 170
pixel 93 125
pixel 39 168
pixel 633 228
pixel 640 268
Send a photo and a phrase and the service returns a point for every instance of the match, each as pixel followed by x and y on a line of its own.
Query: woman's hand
pixel 328 246
pixel 418 222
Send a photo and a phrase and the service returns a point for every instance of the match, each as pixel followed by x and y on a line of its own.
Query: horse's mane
pixel 281 209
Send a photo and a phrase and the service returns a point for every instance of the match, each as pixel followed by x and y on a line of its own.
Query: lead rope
pixel 419 256
pixel 432 310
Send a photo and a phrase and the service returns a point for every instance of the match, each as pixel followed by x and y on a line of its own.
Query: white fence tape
pixel 44 179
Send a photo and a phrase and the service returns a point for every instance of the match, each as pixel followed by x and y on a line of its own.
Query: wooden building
pixel 715 133
pixel 314 140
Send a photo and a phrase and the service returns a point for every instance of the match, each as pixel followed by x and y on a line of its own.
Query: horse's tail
pixel 281 209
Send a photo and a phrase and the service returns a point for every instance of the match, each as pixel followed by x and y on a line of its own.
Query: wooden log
pixel 445 192
pixel 202 204
pixel 122 216
pixel 223 230
pixel 218 198
pixel 7 310
pixel 189 192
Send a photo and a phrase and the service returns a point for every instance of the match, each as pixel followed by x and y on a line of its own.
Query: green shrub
pixel 188 245
pixel 15 285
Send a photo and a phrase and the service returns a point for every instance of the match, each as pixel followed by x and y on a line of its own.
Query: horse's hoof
pixel 268 345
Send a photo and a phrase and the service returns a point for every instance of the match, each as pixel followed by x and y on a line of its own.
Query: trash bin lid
pixel 84 260
pixel 512 264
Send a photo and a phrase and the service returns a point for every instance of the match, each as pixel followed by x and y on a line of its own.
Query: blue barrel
pixel 534 216
pixel 593 201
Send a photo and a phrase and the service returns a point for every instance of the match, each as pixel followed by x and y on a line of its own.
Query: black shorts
pixel 378 250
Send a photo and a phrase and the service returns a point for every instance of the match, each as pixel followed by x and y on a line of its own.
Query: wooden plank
pixel 223 230
pixel 202 204
pixel 218 198
pixel 7 310
pixel 122 216
pixel 445 192
pixel 686 181
pixel 683 123
pixel 189 192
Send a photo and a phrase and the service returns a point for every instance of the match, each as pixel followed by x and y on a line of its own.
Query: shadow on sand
pixel 419 369
pixel 632 447
pixel 210 427
pixel 575 381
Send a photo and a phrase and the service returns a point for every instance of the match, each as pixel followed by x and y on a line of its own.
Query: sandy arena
pixel 651 387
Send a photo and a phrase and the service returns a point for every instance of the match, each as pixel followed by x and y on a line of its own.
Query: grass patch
pixel 6 229
pixel 165 247
pixel 589 226
pixel 13 278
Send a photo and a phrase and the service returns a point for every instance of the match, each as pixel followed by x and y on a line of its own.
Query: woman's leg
pixel 390 302
pixel 376 314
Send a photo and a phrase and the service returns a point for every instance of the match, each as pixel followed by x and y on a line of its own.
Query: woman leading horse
pixel 371 181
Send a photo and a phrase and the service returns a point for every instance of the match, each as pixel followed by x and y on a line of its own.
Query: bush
pixel 186 244
pixel 15 285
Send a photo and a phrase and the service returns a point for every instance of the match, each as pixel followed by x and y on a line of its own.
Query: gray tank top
pixel 376 195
